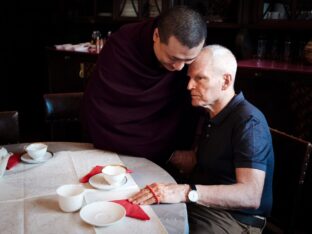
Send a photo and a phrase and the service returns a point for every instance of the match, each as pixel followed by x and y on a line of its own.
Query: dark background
pixel 29 27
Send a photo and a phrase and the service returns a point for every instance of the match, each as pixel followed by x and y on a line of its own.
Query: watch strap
pixel 193 187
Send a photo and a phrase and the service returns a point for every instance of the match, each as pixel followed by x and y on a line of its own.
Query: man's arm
pixel 246 193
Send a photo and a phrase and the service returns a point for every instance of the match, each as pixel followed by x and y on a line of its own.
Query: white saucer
pixel 102 213
pixel 27 159
pixel 98 181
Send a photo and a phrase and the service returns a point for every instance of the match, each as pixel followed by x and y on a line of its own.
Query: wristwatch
pixel 193 194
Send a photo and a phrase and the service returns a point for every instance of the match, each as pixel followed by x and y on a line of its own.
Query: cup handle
pixel 25 146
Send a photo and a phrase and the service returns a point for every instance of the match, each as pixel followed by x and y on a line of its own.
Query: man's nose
pixel 178 66
pixel 190 84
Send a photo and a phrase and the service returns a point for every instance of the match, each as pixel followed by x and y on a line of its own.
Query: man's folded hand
pixel 183 160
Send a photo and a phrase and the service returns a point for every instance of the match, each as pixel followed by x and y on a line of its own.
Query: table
pixel 18 200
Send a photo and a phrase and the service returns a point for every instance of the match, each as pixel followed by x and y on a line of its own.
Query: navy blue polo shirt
pixel 237 137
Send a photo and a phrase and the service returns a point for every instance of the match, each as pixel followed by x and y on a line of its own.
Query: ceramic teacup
pixel 70 197
pixel 36 150
pixel 114 174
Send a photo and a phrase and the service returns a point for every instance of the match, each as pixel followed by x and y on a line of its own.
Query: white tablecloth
pixel 28 202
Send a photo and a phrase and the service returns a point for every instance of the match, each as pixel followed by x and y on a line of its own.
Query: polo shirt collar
pixel 222 115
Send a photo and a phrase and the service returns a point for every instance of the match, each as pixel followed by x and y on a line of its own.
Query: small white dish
pixel 27 159
pixel 102 213
pixel 98 181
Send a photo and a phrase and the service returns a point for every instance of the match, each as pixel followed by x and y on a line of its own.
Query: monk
pixel 136 103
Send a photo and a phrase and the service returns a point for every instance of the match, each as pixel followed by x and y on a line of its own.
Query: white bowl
pixel 70 197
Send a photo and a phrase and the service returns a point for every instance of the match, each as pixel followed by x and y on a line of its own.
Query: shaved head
pixel 220 59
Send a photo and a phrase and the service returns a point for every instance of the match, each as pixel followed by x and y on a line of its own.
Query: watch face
pixel 193 196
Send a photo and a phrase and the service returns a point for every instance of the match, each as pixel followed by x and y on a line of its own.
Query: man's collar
pixel 222 115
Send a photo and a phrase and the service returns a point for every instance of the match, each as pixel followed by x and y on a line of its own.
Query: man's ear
pixel 155 35
pixel 227 81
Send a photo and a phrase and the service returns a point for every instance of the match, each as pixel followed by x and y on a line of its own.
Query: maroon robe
pixel 133 105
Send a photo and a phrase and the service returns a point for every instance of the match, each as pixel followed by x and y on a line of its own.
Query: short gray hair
pixel 222 59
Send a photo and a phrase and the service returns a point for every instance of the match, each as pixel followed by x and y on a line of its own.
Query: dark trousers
pixel 204 219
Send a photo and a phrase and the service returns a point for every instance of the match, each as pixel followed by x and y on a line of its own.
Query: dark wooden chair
pixel 291 162
pixel 62 114
pixel 9 127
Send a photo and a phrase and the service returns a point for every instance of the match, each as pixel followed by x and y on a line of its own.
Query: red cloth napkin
pixel 95 170
pixel 133 210
pixel 13 160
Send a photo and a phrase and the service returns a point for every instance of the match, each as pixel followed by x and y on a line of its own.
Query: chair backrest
pixel 62 113
pixel 9 127
pixel 291 162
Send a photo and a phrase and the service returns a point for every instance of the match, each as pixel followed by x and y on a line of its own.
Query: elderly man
pixel 230 190
pixel 135 99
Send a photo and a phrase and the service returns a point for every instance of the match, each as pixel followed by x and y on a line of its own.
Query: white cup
pixel 114 174
pixel 70 197
pixel 36 150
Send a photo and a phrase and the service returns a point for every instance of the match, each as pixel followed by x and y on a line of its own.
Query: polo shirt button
pixel 209 125
pixel 207 135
